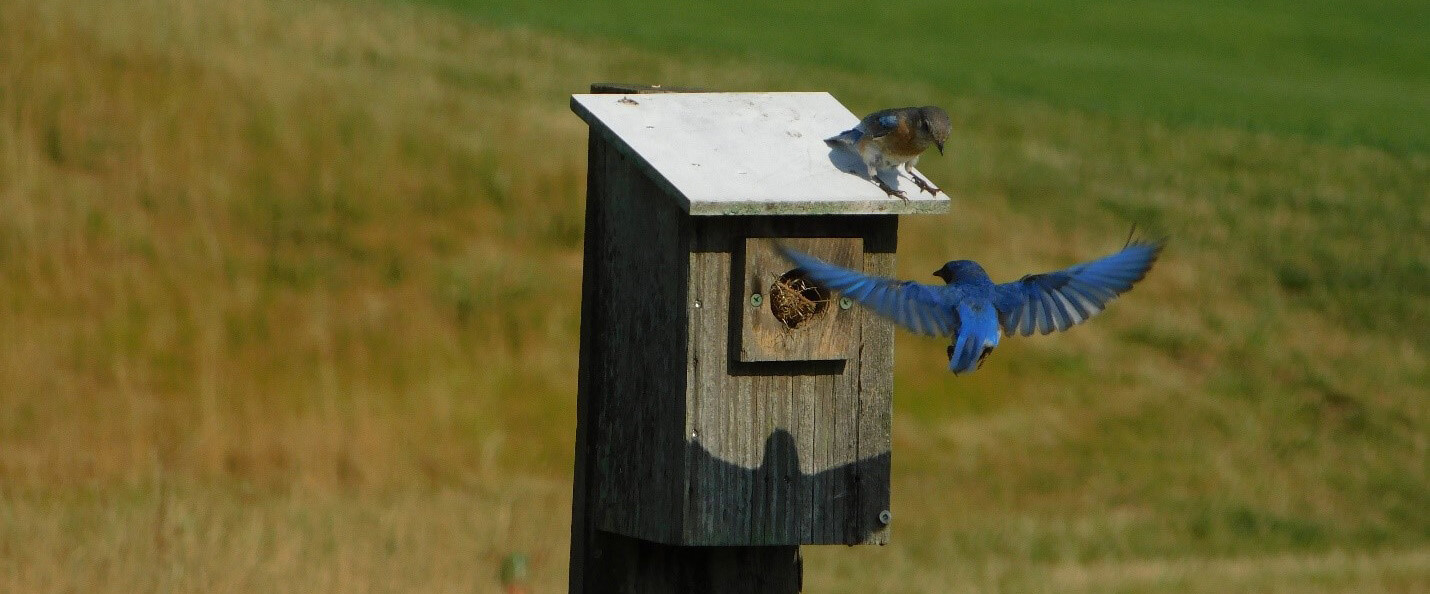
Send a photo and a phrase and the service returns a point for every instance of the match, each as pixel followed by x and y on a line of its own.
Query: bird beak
pixel 939 273
pixel 939 145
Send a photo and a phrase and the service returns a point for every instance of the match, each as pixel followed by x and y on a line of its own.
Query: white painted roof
pixel 748 153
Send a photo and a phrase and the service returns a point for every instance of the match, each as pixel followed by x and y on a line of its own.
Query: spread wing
pixel 920 308
pixel 1059 300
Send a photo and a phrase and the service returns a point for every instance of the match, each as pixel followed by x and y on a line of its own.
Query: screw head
pixel 845 303
pixel 885 517
pixel 756 300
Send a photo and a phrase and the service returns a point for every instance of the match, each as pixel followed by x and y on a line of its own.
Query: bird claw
pixel 889 190
pixel 925 186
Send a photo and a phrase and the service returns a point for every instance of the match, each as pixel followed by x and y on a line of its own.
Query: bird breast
pixel 904 142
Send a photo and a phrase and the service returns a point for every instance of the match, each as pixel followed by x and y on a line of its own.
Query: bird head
pixel 958 270
pixel 935 125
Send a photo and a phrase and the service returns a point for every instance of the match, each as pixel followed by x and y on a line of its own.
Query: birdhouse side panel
pixel 641 349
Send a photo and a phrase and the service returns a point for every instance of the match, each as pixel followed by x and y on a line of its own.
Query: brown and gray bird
pixel 888 138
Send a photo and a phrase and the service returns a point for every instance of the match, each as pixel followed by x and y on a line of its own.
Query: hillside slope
pixel 290 303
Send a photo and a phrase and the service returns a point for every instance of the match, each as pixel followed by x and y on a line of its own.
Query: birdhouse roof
pixel 748 153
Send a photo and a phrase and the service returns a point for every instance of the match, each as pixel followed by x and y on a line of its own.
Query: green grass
pixel 290 303
pixel 1348 73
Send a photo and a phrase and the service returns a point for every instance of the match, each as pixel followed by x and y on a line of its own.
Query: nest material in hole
pixel 794 299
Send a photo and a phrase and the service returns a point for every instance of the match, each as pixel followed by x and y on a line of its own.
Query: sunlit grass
pixel 181 537
pixel 289 295
pixel 1329 71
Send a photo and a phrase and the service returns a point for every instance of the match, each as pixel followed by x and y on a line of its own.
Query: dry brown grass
pixel 239 257
pixel 178 537
pixel 290 296
pixel 277 257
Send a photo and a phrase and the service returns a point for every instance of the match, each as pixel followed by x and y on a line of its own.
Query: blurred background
pixel 289 290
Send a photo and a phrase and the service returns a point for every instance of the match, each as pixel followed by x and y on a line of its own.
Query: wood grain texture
pixel 780 450
pixel 825 335
pixel 608 450
pixel 639 461
pixel 693 446
pixel 589 387
pixel 748 153
pixel 697 471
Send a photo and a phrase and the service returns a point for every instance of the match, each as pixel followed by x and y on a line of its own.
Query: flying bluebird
pixel 892 137
pixel 976 312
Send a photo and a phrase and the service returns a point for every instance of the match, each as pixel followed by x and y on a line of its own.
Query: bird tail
pixel 846 138
pixel 967 353
pixel 976 339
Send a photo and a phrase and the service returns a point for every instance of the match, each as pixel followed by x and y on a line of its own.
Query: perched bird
pixel 892 137
pixel 976 312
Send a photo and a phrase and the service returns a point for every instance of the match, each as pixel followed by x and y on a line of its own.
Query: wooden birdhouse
pixel 726 401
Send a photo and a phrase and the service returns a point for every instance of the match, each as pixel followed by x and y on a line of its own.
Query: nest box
pixel 725 400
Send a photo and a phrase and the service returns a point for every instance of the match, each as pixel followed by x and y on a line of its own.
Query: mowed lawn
pixel 289 297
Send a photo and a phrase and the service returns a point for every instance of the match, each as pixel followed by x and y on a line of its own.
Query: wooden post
pixel 715 434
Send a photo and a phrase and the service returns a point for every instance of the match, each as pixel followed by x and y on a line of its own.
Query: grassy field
pixel 289 302
pixel 1347 72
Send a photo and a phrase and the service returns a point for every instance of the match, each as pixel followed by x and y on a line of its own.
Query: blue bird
pixel 888 138
pixel 976 312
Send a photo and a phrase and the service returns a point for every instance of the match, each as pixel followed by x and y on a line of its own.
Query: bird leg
pixel 889 190
pixel 923 185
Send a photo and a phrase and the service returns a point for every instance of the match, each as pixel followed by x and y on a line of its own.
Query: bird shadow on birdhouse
pixel 791 500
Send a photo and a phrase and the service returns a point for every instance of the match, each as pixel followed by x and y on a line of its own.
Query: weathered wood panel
pixel 785 317
pixel 696 470
pixel 783 452
pixel 699 448
pixel 640 467
pixel 630 402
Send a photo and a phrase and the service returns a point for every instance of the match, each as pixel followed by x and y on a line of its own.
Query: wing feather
pixel 1062 299
pixel 921 308
pixel 880 123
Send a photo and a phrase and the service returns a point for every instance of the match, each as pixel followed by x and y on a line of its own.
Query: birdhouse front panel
pixel 785 315
pixel 794 448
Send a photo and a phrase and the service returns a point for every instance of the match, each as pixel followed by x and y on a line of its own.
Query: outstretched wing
pixel 920 308
pixel 1059 300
